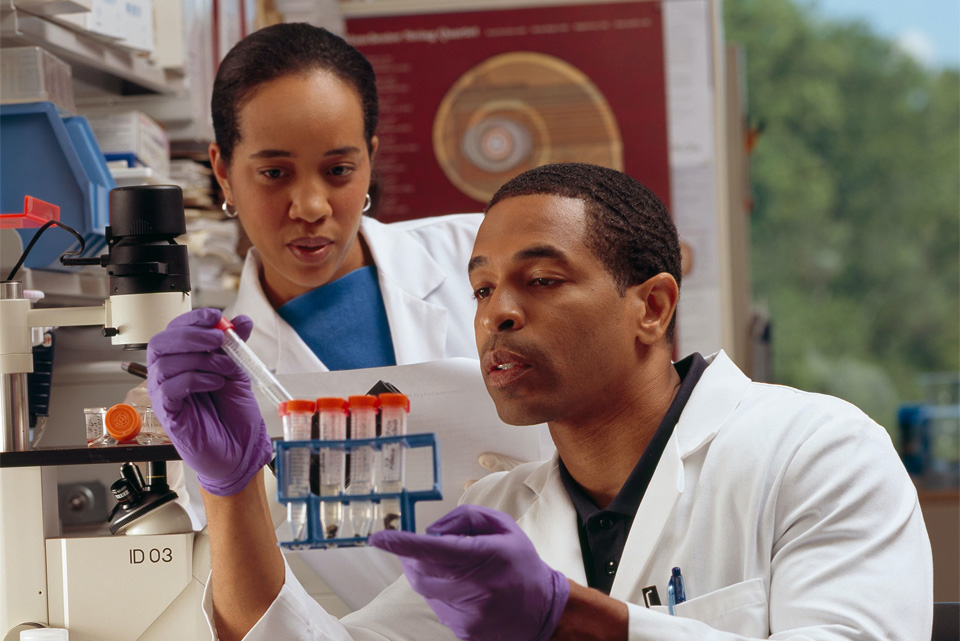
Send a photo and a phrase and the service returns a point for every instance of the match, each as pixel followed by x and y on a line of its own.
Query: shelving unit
pixel 87 56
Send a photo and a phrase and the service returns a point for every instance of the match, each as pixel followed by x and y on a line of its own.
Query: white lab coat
pixel 422 267
pixel 789 513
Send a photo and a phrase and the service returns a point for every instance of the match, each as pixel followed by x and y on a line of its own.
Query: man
pixel 787 513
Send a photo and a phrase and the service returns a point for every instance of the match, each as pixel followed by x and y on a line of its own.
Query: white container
pixel 133 132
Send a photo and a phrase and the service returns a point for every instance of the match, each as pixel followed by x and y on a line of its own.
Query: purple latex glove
pixel 481 576
pixel 205 403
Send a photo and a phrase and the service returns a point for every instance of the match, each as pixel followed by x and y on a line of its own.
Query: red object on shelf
pixel 36 212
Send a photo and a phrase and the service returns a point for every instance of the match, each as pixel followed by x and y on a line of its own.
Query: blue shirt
pixel 344 322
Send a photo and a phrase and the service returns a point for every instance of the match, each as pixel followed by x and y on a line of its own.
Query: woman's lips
pixel 310 250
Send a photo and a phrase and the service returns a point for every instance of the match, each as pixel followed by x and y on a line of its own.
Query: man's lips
pixel 503 367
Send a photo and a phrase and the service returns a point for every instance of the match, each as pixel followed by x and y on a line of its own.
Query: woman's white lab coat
pixel 787 512
pixel 422 267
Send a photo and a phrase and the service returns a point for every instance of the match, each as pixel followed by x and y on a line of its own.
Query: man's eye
pixel 481 292
pixel 544 282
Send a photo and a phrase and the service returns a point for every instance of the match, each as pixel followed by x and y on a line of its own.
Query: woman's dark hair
pixel 281 50
pixel 629 229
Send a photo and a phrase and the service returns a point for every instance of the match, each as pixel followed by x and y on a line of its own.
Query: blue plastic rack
pixel 407 498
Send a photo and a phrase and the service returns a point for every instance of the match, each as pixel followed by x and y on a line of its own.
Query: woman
pixel 294 113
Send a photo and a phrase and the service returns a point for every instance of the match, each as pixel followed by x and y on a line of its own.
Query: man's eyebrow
pixel 530 253
pixel 476 261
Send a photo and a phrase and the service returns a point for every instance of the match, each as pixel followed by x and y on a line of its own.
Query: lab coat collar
pixel 713 400
pixel 551 520
pixel 418 328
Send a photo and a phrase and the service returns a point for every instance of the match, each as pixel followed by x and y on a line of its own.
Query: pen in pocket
pixel 676 593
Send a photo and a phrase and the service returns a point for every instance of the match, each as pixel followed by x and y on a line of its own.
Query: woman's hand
pixel 204 402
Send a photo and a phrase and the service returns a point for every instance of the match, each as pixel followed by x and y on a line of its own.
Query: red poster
pixel 468 100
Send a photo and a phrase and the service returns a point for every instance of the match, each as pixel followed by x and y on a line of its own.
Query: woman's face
pixel 298 179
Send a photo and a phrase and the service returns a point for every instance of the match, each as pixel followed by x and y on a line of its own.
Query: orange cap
pixel 395 400
pixel 296 405
pixel 122 422
pixel 365 401
pixel 331 403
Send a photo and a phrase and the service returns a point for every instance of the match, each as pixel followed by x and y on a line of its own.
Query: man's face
pixel 557 342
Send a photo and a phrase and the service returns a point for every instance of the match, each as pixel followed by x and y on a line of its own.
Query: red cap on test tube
pixel 395 400
pixel 295 406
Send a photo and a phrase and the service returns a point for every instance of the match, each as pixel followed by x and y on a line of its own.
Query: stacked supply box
pixel 133 136
pixel 32 74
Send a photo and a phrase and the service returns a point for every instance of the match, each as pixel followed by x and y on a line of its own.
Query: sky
pixel 929 30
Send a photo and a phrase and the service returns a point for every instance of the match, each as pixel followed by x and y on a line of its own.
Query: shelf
pixel 89 456
pixel 19 28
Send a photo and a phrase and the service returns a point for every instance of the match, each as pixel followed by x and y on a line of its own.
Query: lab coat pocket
pixel 740 608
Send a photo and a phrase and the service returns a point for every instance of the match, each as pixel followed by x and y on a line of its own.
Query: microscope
pixel 106 587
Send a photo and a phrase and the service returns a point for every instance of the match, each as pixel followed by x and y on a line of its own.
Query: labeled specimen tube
pixel 332 415
pixel 252 366
pixel 393 422
pixel 297 417
pixel 363 424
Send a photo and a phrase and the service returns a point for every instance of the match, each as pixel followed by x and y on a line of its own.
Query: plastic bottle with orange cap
pixel 124 424
pixel 297 418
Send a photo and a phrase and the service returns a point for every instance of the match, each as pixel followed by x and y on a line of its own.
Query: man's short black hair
pixel 629 229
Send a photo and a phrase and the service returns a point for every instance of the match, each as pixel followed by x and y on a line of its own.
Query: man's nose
pixel 311 201
pixel 503 312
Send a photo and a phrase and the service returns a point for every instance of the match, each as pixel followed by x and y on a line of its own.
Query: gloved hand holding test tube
pixel 363 424
pixel 332 414
pixel 297 417
pixel 393 422
pixel 252 366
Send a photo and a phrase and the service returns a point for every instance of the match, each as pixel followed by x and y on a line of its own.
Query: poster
pixel 471 99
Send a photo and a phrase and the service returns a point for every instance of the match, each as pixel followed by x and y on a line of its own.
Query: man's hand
pixel 481 576
pixel 204 402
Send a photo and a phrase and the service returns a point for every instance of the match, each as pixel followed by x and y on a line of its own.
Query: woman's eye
pixel 341 170
pixel 273 174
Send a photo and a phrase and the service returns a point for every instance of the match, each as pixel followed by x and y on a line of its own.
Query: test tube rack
pixel 407 498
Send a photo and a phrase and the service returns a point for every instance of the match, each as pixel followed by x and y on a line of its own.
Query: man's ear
pixel 656 301
pixel 220 171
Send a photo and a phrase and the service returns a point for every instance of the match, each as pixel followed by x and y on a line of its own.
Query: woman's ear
pixel 219 167
pixel 656 300
pixel 374 146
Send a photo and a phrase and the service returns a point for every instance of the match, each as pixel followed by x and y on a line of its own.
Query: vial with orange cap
pixel 121 425
pixel 297 418
pixel 332 421
pixel 393 422
pixel 363 460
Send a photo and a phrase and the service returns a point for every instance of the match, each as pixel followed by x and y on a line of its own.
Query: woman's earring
pixel 367 203
pixel 227 212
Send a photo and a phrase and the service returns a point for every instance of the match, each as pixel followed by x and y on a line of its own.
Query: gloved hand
pixel 481 576
pixel 205 403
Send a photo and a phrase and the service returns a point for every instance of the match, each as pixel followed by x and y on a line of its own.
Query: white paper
pixel 447 398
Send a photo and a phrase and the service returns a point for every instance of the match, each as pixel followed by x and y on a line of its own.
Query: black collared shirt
pixel 603 532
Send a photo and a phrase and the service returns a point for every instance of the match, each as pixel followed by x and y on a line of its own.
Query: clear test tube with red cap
pixel 251 364
pixel 363 461
pixel 297 418
pixel 332 420
pixel 393 422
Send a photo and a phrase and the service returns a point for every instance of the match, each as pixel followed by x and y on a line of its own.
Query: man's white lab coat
pixel 789 514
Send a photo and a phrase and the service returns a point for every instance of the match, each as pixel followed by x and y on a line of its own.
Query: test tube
pixel 363 424
pixel 251 364
pixel 332 418
pixel 297 417
pixel 393 422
